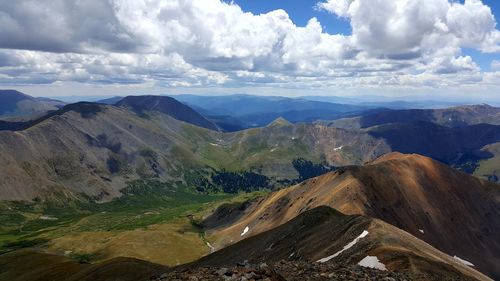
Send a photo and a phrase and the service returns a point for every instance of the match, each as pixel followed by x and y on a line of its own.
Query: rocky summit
pixel 285 271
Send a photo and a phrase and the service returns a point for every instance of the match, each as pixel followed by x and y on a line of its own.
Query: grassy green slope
pixel 153 221
pixel 490 168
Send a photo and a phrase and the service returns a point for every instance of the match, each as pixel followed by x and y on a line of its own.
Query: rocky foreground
pixel 283 271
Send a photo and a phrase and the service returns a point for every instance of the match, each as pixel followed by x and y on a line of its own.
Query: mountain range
pixel 236 112
pixel 94 148
pixel 103 190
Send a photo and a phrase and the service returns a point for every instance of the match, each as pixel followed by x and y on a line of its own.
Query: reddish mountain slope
pixel 456 213
pixel 325 235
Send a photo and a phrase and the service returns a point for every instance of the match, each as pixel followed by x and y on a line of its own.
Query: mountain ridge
pixel 407 191
pixel 323 235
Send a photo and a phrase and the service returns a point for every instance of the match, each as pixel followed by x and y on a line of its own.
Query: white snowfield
pixel 245 231
pixel 338 148
pixel 468 263
pixel 352 243
pixel 372 262
pixel 421 230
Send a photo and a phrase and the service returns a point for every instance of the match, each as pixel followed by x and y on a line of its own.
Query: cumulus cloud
pixel 63 26
pixel 215 43
pixel 339 7
pixel 414 27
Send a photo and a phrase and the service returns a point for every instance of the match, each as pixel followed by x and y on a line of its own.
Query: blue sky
pixel 300 11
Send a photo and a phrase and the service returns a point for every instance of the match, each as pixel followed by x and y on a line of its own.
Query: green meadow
pixel 162 210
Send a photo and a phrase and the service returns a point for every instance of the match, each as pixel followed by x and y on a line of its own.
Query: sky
pixel 395 48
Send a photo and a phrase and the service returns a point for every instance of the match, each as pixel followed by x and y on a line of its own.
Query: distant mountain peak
pixel 278 122
pixel 14 93
pixel 168 106
pixel 14 104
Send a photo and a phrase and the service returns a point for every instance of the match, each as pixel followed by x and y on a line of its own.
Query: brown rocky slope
pixel 454 212
pixel 324 235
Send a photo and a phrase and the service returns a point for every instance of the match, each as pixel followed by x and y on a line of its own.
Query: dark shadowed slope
pixel 451 117
pixel 454 212
pixel 166 105
pixel 464 137
pixel 29 265
pixel 466 147
pixel 450 145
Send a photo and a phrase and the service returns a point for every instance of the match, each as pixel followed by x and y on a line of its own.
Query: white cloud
pixel 338 7
pixel 495 65
pixel 206 43
pixel 450 65
pixel 413 27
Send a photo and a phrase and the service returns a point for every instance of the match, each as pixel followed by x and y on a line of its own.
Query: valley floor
pixel 161 229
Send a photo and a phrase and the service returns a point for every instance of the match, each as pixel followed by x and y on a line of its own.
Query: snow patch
pixel 352 243
pixel 338 148
pixel 214 144
pixel 48 218
pixel 421 230
pixel 274 149
pixel 245 231
pixel 212 249
pixel 468 263
pixel 372 262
